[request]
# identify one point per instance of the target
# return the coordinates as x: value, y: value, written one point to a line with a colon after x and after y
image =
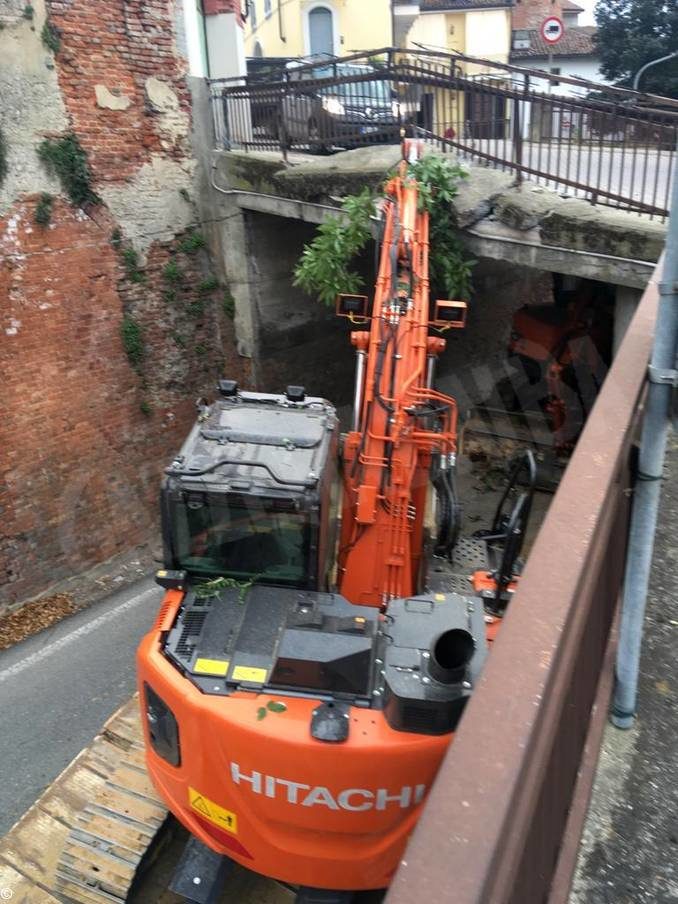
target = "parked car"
x: 357, y: 108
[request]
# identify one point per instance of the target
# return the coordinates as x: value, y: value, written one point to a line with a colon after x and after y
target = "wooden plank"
x: 135, y: 781
x: 23, y: 891
x: 34, y: 845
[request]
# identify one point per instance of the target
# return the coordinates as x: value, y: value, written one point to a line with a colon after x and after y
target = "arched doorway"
x: 321, y: 31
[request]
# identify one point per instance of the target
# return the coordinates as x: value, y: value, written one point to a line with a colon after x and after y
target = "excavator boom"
x: 403, y: 421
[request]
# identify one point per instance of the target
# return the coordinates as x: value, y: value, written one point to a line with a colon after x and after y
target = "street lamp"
x: 643, y: 69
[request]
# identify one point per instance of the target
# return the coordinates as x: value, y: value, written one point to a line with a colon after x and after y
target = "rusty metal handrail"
x: 607, y: 147
x: 493, y: 823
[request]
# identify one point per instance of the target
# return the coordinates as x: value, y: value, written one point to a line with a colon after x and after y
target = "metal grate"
x: 192, y: 629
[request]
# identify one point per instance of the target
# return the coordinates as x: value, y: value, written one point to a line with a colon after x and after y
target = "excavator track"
x: 85, y: 837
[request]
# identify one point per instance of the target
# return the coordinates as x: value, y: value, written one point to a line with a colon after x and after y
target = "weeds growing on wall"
x: 51, y: 37
x: 66, y: 159
x: 43, y: 209
x: 228, y: 304
x: 130, y: 260
x: 193, y: 242
x: 132, y: 340
x: 171, y: 273
x: 324, y: 268
x: 3, y: 157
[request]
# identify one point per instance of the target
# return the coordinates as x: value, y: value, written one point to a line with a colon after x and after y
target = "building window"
x: 267, y: 8
x: 258, y: 50
x: 555, y: 70
x: 253, y: 13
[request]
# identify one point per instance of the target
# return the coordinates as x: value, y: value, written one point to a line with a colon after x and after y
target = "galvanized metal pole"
x: 662, y: 379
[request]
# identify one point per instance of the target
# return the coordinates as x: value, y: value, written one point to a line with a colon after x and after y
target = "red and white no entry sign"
x: 552, y: 29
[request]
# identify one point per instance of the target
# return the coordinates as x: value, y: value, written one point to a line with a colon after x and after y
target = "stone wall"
x: 89, y: 420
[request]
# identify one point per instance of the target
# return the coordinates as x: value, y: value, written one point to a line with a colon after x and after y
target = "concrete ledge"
x: 528, y: 225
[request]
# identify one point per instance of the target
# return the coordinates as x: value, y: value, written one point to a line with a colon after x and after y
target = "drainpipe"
x: 662, y: 376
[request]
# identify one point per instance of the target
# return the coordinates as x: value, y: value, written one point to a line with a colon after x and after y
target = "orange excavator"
x: 323, y: 625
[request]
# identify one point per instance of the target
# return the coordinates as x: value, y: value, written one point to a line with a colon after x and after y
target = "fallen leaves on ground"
x: 34, y: 617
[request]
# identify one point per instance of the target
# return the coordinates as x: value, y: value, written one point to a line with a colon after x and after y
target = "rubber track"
x: 84, y: 838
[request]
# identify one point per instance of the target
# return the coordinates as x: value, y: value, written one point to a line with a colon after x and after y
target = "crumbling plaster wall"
x: 86, y: 428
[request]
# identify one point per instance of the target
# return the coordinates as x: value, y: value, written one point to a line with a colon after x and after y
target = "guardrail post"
x: 663, y: 377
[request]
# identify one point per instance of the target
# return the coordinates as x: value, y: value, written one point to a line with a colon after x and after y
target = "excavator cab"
x: 247, y: 498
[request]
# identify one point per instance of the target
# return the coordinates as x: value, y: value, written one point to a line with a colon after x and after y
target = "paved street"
x: 58, y: 687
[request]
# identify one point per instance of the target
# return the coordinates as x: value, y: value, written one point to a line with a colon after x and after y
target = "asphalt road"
x: 58, y: 687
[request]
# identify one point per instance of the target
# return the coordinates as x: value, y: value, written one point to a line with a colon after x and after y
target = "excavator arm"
x: 403, y: 423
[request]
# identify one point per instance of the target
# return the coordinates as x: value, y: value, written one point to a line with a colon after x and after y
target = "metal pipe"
x: 649, y: 65
x: 361, y: 357
x: 430, y: 370
x: 662, y: 376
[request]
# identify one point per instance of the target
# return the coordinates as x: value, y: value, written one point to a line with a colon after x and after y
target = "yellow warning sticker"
x: 225, y: 819
x: 211, y: 667
x: 248, y: 673
x: 439, y: 597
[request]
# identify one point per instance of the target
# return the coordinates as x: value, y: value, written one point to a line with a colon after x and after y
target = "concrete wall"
x: 298, y: 340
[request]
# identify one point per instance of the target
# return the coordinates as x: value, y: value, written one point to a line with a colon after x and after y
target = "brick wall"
x: 85, y: 431
x: 531, y: 13
x: 214, y: 7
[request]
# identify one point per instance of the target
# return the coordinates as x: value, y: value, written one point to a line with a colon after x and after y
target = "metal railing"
x: 608, y: 145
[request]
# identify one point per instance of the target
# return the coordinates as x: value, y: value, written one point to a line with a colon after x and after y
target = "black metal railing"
x: 605, y: 144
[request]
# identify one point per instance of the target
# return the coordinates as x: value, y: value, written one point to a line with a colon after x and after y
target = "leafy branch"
x: 211, y: 588
x: 324, y: 268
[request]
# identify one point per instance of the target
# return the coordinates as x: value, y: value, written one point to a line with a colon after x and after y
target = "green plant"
x: 171, y: 272
x: 145, y: 408
x: 3, y: 157
x: 201, y: 350
x: 51, y: 37
x: 273, y: 706
x: 116, y: 238
x: 450, y: 270
x: 43, y: 209
x: 228, y: 304
x: 192, y: 243
x: 207, y: 285
x: 130, y: 260
x: 170, y: 296
x: 28, y: 12
x: 216, y: 585
x: 67, y: 160
x: 179, y: 340
x: 323, y: 268
x: 196, y: 308
x: 132, y: 340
